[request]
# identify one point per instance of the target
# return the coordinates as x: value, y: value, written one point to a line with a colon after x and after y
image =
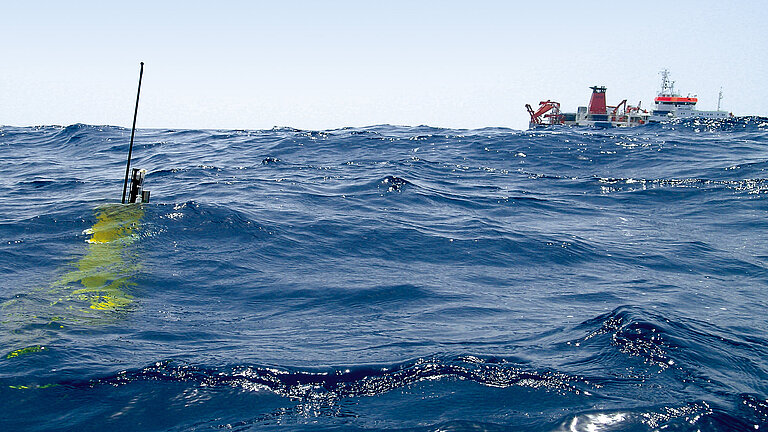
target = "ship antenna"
x: 133, y: 131
x: 664, y: 80
x: 719, y: 98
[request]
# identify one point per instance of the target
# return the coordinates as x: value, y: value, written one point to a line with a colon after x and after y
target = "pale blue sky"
x: 321, y: 65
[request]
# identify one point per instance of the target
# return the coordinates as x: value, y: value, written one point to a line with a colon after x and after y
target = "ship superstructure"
x: 669, y: 104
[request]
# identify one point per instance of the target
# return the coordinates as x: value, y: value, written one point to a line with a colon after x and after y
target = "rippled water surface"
x: 386, y: 278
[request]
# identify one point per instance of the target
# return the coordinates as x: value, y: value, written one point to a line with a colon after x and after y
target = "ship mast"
x: 719, y: 98
x: 667, y: 86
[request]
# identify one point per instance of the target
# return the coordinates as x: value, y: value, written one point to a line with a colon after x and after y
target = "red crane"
x: 616, y: 108
x: 621, y: 117
x: 538, y: 116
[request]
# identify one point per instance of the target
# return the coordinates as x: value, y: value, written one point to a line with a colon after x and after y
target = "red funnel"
x: 597, y: 102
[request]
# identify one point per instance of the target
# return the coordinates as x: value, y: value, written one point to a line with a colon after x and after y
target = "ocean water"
x: 386, y: 278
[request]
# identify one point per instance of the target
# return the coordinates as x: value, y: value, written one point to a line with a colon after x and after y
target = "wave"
x: 595, y: 369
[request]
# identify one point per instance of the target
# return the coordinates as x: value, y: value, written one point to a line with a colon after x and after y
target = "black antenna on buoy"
x: 137, y: 179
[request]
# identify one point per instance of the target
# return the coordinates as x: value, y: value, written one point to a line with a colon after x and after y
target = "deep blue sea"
x: 386, y: 278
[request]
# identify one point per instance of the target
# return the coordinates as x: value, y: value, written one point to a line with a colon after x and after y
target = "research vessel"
x: 597, y: 114
x: 670, y: 105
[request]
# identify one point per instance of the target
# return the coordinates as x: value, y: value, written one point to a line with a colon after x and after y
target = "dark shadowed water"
x: 386, y: 278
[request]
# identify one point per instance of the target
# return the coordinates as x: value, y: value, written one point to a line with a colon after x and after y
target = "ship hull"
x: 658, y: 116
